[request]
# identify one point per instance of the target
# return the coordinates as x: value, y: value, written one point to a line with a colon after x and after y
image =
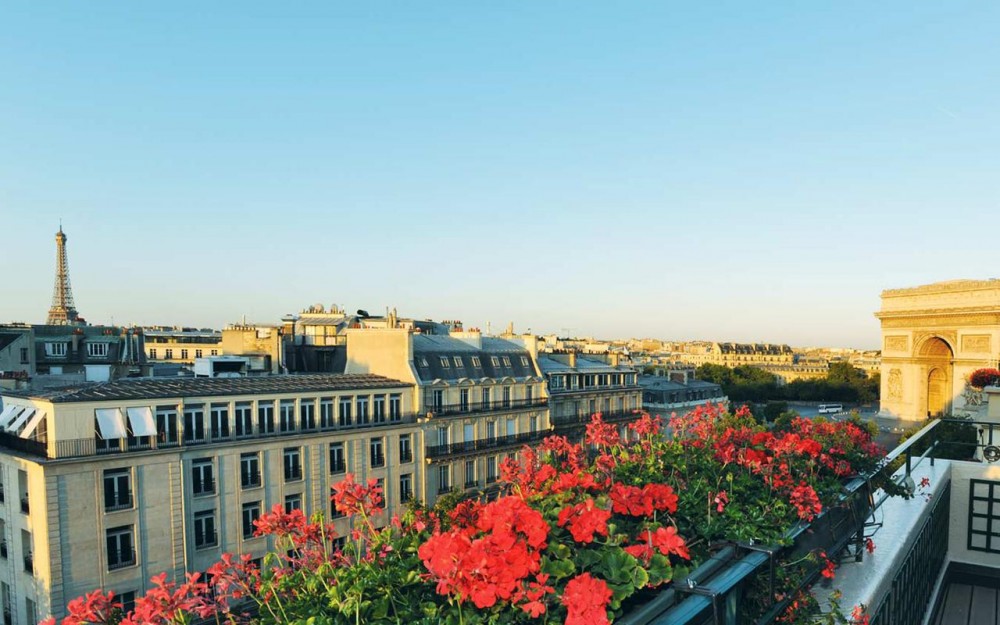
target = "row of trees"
x: 843, y: 383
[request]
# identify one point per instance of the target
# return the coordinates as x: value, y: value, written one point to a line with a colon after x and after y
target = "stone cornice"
x: 950, y: 286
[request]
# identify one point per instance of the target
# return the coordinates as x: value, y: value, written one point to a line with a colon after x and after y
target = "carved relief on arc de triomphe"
x: 976, y: 343
x: 896, y: 344
x: 895, y: 384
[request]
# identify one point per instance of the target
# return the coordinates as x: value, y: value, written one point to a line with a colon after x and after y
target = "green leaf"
x: 558, y: 569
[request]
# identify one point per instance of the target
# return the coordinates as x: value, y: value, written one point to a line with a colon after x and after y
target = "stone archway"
x: 936, y: 358
x: 933, y: 337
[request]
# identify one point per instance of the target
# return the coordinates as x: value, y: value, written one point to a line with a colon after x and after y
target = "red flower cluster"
x: 806, y: 501
x: 351, y: 498
x: 984, y: 377
x: 666, y: 540
x: 601, y: 434
x: 721, y: 500
x: 829, y: 567
x: 585, y: 519
x: 95, y: 607
x: 635, y: 501
x: 492, y: 559
x: 586, y: 599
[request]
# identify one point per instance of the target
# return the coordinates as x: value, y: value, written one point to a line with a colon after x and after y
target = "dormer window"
x: 495, y: 361
x: 55, y: 349
x: 506, y: 361
x: 524, y: 361
x: 475, y: 361
x: 458, y: 361
x: 445, y: 363
x: 423, y: 362
x: 97, y: 350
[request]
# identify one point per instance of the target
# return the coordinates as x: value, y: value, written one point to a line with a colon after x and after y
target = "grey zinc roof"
x: 431, y: 348
x: 583, y: 365
x: 153, y: 388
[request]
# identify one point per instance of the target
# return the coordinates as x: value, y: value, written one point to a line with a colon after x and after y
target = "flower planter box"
x: 714, y: 591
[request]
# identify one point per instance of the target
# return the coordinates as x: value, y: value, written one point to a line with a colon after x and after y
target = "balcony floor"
x: 966, y: 604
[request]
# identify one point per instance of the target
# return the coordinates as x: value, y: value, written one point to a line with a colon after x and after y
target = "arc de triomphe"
x: 933, y: 337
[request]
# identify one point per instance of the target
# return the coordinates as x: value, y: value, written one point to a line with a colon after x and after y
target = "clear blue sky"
x: 736, y: 171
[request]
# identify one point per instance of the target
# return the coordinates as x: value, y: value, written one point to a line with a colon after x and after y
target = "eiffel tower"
x: 63, y: 311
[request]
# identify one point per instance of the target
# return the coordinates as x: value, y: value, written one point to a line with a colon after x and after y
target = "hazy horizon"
x: 752, y: 173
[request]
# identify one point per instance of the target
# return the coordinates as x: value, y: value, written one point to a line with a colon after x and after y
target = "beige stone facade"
x: 82, y: 510
x: 933, y: 337
x: 480, y: 398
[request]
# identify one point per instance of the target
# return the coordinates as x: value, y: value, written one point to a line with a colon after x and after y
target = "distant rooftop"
x: 154, y: 388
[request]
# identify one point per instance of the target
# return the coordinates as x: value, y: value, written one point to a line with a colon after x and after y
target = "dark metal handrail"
x: 82, y: 447
x: 485, y: 444
x: 122, y: 559
x: 478, y: 407
x: 122, y: 501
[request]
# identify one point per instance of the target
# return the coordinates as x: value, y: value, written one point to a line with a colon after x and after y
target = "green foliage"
x: 844, y: 383
x: 775, y: 409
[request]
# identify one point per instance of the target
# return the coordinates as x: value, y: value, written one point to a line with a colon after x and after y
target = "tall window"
x: 286, y: 416
x: 250, y: 470
x: 528, y: 392
x: 168, y: 354
x: 491, y: 469
x: 251, y: 512
x: 511, y: 425
x: 293, y: 464
x: 307, y: 414
x: 362, y: 402
x: 377, y: 452
x: 506, y: 397
x: 117, y: 491
x: 470, y: 473
x: 194, y: 423
x: 378, y: 409
x: 534, y: 424
x: 338, y: 463
x: 265, y: 417
x: 344, y: 410
x: 204, y: 529
x: 244, y: 418
x: 197, y: 353
x: 220, y: 421
x: 405, y: 448
x: 166, y: 426
x: 405, y: 487
x: 293, y: 502
x: 463, y: 400
x: 437, y: 397
x: 202, y: 476
x: 121, y: 547
x: 491, y: 430
x: 442, y: 436
x: 184, y: 354
x: 326, y: 413
x: 152, y: 354
x: 444, y: 478
x: 395, y: 407
x: 486, y: 398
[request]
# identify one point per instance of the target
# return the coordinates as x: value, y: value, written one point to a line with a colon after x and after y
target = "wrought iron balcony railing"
x: 474, y: 407
x: 486, y: 444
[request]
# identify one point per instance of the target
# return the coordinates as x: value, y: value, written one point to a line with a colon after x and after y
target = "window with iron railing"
x: 204, y: 530
x: 293, y: 464
x: 202, y: 477
x: 250, y: 470
x: 117, y: 491
x: 338, y: 462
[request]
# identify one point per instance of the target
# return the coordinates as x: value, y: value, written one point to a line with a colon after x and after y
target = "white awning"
x: 29, y: 428
x: 8, y: 415
x: 19, y: 421
x: 141, y: 420
x: 110, y: 423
